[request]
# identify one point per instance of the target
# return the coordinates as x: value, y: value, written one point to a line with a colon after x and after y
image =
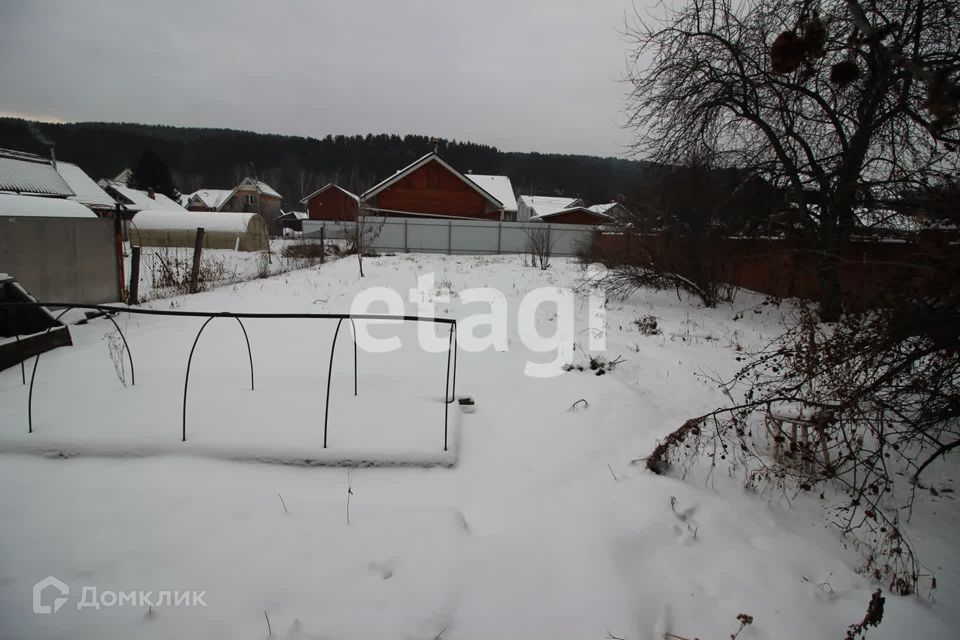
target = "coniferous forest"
x: 296, y: 166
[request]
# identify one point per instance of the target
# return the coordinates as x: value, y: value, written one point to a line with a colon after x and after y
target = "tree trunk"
x: 831, y: 294
x: 834, y: 237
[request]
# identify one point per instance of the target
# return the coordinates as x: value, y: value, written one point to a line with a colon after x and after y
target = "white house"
x: 538, y: 206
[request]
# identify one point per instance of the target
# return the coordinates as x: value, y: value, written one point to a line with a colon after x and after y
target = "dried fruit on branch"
x: 786, y: 53
x: 843, y: 73
x: 941, y: 103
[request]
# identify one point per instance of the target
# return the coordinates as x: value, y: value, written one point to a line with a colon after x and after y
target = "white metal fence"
x: 452, y: 236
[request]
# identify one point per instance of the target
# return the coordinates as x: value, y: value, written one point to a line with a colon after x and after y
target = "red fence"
x: 870, y: 268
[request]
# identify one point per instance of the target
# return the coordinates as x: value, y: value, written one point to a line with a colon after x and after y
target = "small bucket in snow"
x: 467, y: 404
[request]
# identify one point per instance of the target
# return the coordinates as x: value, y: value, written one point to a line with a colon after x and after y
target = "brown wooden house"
x: 253, y: 196
x: 332, y: 203
x: 430, y: 187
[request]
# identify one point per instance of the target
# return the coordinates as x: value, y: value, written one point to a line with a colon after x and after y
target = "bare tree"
x: 366, y: 230
x: 840, y: 104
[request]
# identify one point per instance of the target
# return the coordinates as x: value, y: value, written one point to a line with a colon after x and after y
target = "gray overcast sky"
x: 521, y: 75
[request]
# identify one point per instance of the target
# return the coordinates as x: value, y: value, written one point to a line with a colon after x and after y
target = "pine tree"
x: 152, y: 172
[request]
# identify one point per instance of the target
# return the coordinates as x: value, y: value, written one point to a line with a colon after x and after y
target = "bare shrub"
x: 868, y: 404
x: 304, y: 250
x: 115, y: 347
x: 540, y: 244
x: 648, y: 325
x: 645, y: 270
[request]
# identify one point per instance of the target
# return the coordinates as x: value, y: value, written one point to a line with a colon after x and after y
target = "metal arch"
x: 33, y: 375
x: 224, y: 314
x: 333, y: 350
x: 451, y: 394
x: 249, y: 352
x: 186, y: 379
x: 353, y: 329
x: 448, y: 395
x: 23, y: 370
x: 450, y: 384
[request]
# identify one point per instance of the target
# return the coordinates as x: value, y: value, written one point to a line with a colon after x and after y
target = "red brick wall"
x: 432, y: 189
x: 869, y: 269
x: 332, y: 204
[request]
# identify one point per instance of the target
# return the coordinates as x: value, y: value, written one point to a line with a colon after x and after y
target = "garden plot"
x: 85, y: 402
x: 548, y: 526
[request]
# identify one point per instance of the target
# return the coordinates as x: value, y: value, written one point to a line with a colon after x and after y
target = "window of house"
x: 249, y: 199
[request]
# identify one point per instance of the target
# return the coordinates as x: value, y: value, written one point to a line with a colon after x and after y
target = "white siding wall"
x: 438, y: 235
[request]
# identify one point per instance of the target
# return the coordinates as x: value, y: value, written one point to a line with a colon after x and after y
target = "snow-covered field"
x: 547, y: 526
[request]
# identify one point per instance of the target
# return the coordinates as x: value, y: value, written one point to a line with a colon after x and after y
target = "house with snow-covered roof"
x: 27, y: 174
x: 529, y: 207
x: 85, y: 189
x: 133, y: 200
x: 614, y: 210
x: 430, y: 187
x: 206, y: 199
x: 501, y: 188
x: 253, y: 196
x: 574, y: 215
x: 332, y: 202
x: 34, y: 185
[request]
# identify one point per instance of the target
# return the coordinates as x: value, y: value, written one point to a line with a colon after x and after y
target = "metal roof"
x: 27, y: 174
x: 499, y: 187
x: 410, y: 168
x: 328, y: 186
x: 87, y: 191
x: 20, y: 206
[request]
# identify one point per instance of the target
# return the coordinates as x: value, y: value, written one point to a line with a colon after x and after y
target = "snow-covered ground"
x: 546, y: 527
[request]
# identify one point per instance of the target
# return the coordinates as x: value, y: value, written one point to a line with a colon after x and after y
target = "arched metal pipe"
x: 186, y: 379
x: 33, y: 375
x: 23, y: 369
x: 333, y: 349
x: 36, y: 361
x: 353, y: 329
x: 249, y: 352
x: 448, y: 395
x: 450, y: 384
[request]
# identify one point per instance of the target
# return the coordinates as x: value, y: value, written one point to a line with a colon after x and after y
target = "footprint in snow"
x: 383, y: 569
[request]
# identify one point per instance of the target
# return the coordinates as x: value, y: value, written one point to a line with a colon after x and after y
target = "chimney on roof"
x: 44, y: 140
x: 151, y: 194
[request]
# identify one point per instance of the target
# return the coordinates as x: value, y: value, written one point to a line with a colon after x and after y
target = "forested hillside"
x: 295, y: 166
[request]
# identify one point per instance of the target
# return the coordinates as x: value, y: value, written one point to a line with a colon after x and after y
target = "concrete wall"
x: 62, y: 259
x: 438, y: 235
